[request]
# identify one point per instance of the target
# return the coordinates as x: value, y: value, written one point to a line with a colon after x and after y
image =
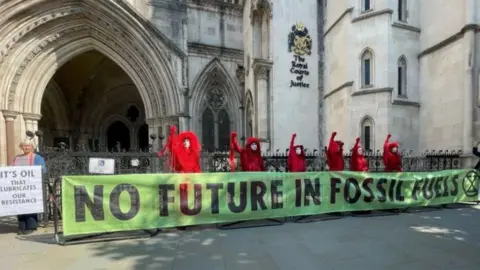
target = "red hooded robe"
x: 335, y: 154
x: 296, y: 162
x: 184, y: 160
x: 391, y: 160
x: 358, y: 162
x: 250, y: 161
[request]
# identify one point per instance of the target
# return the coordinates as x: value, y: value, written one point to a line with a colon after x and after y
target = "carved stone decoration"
x: 261, y: 6
x: 216, y: 99
x: 240, y: 72
x: 88, y: 20
x: 261, y: 72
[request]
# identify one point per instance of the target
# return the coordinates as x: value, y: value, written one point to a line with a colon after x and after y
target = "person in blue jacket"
x: 29, y: 222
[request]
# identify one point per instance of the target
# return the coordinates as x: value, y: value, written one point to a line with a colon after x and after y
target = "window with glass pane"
x: 223, y: 130
x: 366, y: 5
x: 366, y: 72
x: 402, y: 10
x: 367, y: 135
x: 208, y: 130
x: 216, y: 121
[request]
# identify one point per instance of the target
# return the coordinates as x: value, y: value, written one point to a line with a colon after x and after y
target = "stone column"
x: 469, y: 39
x: 155, y: 127
x: 9, y: 117
x: 241, y: 79
x: 265, y: 37
x: 262, y: 105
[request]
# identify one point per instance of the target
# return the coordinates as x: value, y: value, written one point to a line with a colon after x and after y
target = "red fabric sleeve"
x: 354, y: 158
x: 262, y: 164
x: 170, y: 145
x: 291, y: 153
x: 386, y: 151
x: 333, y: 146
x: 234, y: 147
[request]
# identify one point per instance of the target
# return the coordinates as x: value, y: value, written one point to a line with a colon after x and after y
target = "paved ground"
x: 447, y: 239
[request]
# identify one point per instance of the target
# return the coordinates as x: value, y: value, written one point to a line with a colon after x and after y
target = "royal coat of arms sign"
x: 299, y: 41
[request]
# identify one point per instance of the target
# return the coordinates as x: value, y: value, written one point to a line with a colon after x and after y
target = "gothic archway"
x: 118, y: 137
x: 215, y: 106
x: 43, y: 35
x: 81, y: 100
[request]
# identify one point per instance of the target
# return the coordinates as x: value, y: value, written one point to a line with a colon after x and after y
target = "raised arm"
x: 292, y: 142
x: 170, y: 140
x: 233, y: 147
x: 386, y: 152
x: 333, y: 146
x: 355, y: 147
x: 387, y: 141
x: 234, y: 144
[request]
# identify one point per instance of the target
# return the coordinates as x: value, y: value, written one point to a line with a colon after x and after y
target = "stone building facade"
x: 404, y: 67
x: 92, y: 74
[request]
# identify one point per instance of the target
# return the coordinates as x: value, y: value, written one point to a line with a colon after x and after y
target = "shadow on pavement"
x: 8, y: 225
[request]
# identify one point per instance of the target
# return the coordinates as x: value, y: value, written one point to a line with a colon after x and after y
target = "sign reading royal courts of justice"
x: 300, y: 44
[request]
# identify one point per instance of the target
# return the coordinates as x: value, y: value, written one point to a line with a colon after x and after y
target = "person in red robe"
x: 335, y: 160
x: 296, y: 157
x: 391, y: 158
x: 250, y: 157
x: 358, y: 162
x: 185, y: 150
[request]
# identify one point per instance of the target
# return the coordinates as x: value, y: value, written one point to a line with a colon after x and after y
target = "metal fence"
x: 62, y: 162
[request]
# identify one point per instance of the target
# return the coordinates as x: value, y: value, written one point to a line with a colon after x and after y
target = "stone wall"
x: 215, y: 53
x: 446, y: 80
x: 294, y: 109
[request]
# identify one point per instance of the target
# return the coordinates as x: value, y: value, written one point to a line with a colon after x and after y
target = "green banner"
x: 94, y: 204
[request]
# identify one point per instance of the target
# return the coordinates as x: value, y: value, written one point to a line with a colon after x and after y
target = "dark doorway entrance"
x: 118, y: 136
x: 143, y: 137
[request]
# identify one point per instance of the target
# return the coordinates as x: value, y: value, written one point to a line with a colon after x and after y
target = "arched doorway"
x: 45, y: 35
x: 118, y: 137
x: 88, y: 102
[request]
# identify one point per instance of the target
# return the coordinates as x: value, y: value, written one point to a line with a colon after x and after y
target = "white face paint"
x: 186, y: 143
x: 394, y: 150
x: 254, y: 146
x: 298, y: 150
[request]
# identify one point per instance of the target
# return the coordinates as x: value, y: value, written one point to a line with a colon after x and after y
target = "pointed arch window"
x: 402, y: 77
x: 367, y: 129
x: 402, y: 10
x: 215, y: 121
x: 366, y: 5
x: 367, y: 68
